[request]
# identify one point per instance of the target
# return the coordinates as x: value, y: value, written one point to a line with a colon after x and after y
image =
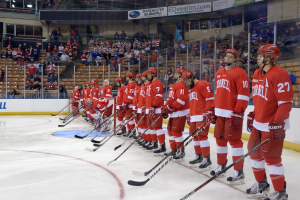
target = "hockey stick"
x: 70, y: 115
x: 112, y: 134
x: 61, y: 110
x: 141, y: 183
x: 225, y: 169
x: 134, y: 141
x: 132, y: 131
x: 63, y: 125
x: 96, y: 141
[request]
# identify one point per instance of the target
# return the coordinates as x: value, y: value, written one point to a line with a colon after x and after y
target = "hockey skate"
x: 127, y: 134
x: 161, y: 150
x: 237, y: 178
x: 258, y: 190
x: 121, y: 132
x: 196, y: 162
x: 205, y: 164
x: 152, y: 147
x: 282, y: 195
x: 132, y: 135
x: 179, y: 157
x: 218, y: 169
x: 146, y: 145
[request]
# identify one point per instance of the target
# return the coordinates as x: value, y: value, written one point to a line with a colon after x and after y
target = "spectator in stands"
x: 50, y: 78
x: 123, y: 36
x: 56, y: 59
x: 292, y: 76
x: 37, y: 66
x: 180, y: 65
x: 29, y: 84
x: 49, y: 58
x: 89, y: 59
x: 113, y: 64
x: 32, y: 71
x: 64, y: 58
x: 36, y: 78
x: 140, y: 58
x: 26, y: 55
x: 51, y: 69
x: 182, y: 46
x: 279, y: 42
x: 2, y: 74
x: 107, y: 60
x: 153, y: 59
x: 3, y: 56
x: 160, y: 60
x: 63, y: 94
x: 51, y: 86
x: 120, y: 60
x: 14, y: 53
x: 116, y: 36
x: 24, y: 48
x: 98, y: 60
x: 35, y: 55
x: 19, y: 61
x: 132, y: 57
x: 38, y: 48
x: 36, y: 86
x: 83, y: 58
x: 42, y: 66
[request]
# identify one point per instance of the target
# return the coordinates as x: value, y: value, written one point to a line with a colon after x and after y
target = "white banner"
x: 148, y: 13
x: 189, y: 9
x: 223, y: 4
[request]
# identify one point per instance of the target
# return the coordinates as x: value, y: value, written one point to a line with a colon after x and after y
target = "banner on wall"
x: 148, y: 13
x: 189, y: 9
x: 223, y: 4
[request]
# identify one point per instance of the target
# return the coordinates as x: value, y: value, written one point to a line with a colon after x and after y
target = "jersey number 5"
x: 281, y: 85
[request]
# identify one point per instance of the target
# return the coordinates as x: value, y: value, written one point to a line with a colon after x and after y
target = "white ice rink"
x: 36, y: 165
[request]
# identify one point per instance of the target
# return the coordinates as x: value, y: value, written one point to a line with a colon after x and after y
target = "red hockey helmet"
x: 233, y: 51
x: 92, y: 83
x: 130, y: 74
x: 144, y: 74
x: 138, y: 76
x: 152, y: 70
x: 95, y: 80
x: 119, y: 79
x: 270, y: 50
x: 186, y: 75
x: 180, y: 70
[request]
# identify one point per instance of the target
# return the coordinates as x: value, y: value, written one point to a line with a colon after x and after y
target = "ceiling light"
x: 13, y: 5
x: 29, y: 6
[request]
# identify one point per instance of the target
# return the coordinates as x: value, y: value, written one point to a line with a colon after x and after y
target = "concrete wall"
x: 283, y: 10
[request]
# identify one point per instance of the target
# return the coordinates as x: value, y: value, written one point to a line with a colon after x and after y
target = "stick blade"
x: 137, y: 183
x: 95, y: 141
x: 79, y: 137
x: 110, y: 162
x: 137, y: 173
x: 89, y: 149
x: 61, y: 125
x: 117, y: 147
x: 97, y: 145
x: 53, y: 115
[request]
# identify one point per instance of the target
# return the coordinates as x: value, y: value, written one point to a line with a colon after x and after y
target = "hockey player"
x: 154, y: 103
x: 94, y: 96
x: 98, y: 106
x: 135, y: 102
x: 119, y: 106
x: 177, y: 106
x: 82, y: 102
x: 231, y: 101
x: 106, y: 93
x: 146, y: 138
x: 272, y: 99
x: 86, y: 96
x: 201, y: 99
x: 95, y: 80
x: 75, y: 100
x: 127, y: 104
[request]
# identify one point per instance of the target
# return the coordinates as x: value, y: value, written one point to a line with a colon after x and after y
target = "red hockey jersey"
x: 94, y: 94
x: 129, y: 93
x: 272, y: 97
x: 201, y: 99
x: 106, y: 92
x: 120, y: 99
x: 142, y: 98
x: 100, y: 104
x: 135, y: 97
x: 154, y: 96
x: 232, y: 91
x: 87, y: 93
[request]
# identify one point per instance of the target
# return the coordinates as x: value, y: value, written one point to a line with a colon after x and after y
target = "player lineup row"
x: 141, y: 108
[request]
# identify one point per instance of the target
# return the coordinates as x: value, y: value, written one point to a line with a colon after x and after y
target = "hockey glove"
x: 125, y: 106
x: 210, y: 116
x: 165, y: 116
x: 250, y: 119
x: 237, y: 119
x: 277, y: 131
x: 152, y: 112
x: 188, y: 119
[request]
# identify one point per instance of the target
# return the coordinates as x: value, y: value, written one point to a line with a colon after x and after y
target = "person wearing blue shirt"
x: 50, y: 78
x: 292, y: 76
x: 36, y: 78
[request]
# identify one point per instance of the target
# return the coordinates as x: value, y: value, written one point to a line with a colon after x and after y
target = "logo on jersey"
x: 134, y: 14
x: 193, y: 95
x: 223, y: 83
x: 260, y: 90
x: 3, y: 105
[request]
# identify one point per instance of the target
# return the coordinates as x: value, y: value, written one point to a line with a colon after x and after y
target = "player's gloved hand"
x: 165, y: 116
x: 188, y: 119
x: 72, y: 100
x: 125, y: 106
x: 168, y: 109
x: 250, y: 119
x: 210, y: 116
x: 277, y: 131
x: 152, y: 112
x: 237, y: 119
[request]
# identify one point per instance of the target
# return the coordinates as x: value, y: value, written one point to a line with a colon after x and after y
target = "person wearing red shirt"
x: 51, y: 68
x: 201, y: 99
x: 106, y: 93
x: 177, y: 106
x: 86, y: 95
x: 32, y: 71
x: 127, y: 105
x: 135, y: 103
x: 272, y: 98
x: 119, y: 106
x: 69, y: 44
x: 55, y: 50
x: 94, y: 94
x: 83, y: 58
x: 153, y: 59
x: 51, y: 86
x: 154, y: 103
x: 75, y: 45
x: 75, y: 100
x: 20, y: 61
x: 231, y: 101
x: 49, y: 47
